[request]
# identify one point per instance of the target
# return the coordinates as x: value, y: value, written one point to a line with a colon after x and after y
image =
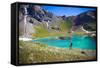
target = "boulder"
x: 62, y: 38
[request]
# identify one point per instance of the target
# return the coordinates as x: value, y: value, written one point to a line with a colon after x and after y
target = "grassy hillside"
x: 42, y: 31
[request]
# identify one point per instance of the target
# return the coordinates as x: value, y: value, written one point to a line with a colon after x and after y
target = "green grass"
x: 65, y: 25
x: 42, y: 31
x: 30, y: 52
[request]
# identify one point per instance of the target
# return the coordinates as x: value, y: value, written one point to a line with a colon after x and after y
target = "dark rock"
x: 62, y: 38
x: 83, y: 52
x: 64, y: 17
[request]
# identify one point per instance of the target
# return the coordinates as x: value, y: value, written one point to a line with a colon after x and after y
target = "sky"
x: 67, y: 11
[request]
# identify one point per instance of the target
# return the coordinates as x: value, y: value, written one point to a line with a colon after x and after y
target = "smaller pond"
x: 82, y: 42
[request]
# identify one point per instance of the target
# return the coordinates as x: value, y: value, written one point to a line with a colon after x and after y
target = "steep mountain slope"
x: 87, y: 20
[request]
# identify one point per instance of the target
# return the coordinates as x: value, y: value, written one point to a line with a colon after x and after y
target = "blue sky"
x: 68, y: 11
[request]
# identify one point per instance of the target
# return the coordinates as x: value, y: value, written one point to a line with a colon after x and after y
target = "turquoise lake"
x: 81, y: 42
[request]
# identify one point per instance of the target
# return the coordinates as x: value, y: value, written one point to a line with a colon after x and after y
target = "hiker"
x: 70, y: 47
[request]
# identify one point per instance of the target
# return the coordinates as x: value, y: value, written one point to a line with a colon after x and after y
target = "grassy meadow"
x: 30, y: 52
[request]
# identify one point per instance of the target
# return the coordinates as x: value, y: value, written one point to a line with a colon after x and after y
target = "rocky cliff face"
x: 42, y: 15
x: 36, y: 15
x: 25, y: 26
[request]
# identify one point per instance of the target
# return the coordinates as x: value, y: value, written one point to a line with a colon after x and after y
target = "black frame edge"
x: 14, y: 48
